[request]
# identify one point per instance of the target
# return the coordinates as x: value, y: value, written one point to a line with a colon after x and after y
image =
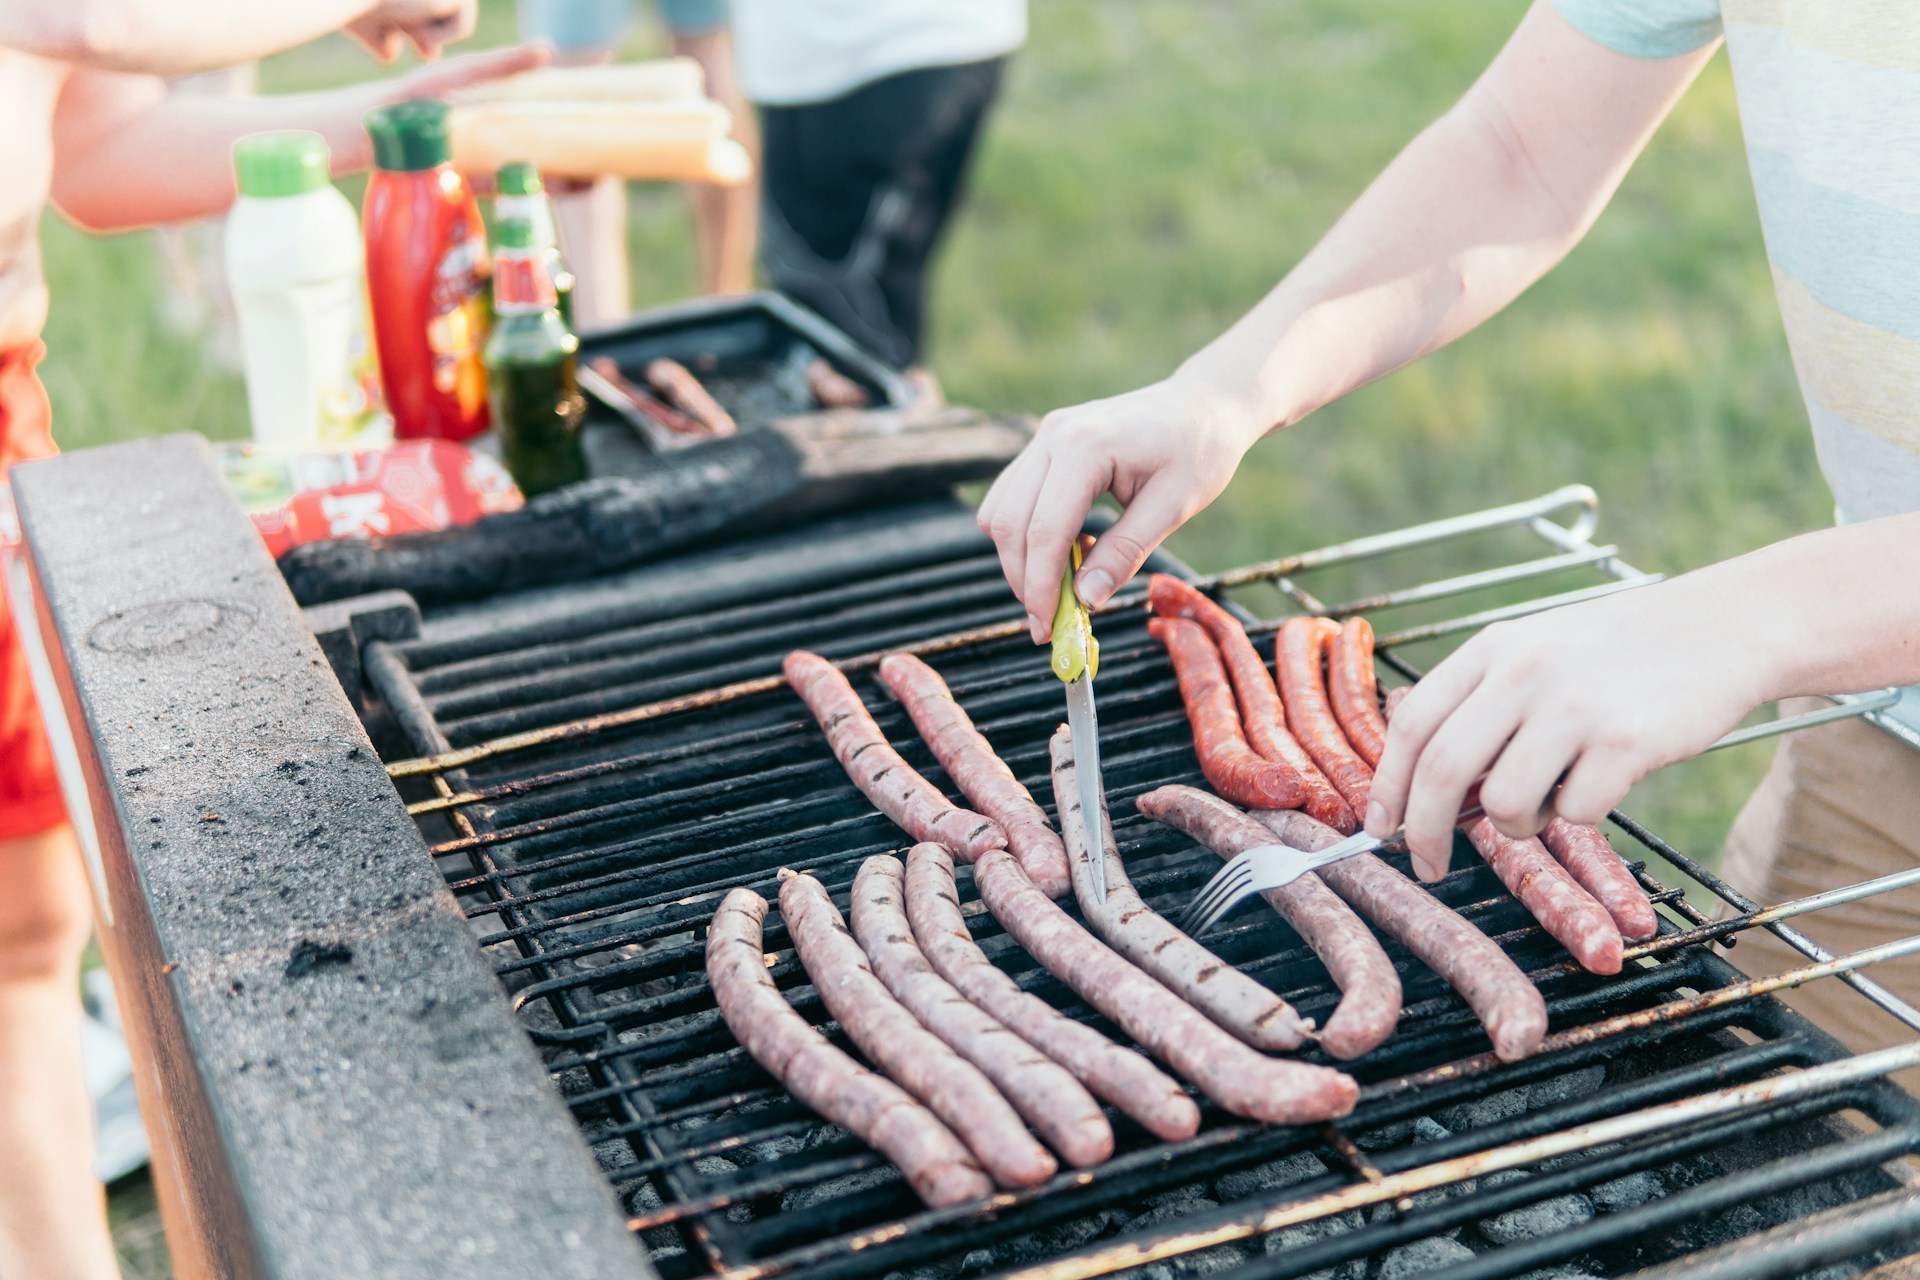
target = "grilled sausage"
x: 1554, y: 897
x: 1044, y: 1093
x: 982, y: 776
x: 1356, y: 699
x: 834, y: 389
x: 953, y: 1088
x: 1240, y: 1079
x: 1233, y: 768
x: 1369, y: 988
x: 1261, y: 716
x: 1589, y: 858
x: 645, y: 402
x: 915, y: 804
x: 677, y: 383
x: 1117, y: 1074
x: 1545, y: 888
x: 1508, y: 1004
x: 1299, y: 649
x: 1144, y: 936
x: 869, y: 1106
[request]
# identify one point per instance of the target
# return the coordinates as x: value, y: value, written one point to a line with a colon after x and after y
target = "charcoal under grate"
x: 590, y: 860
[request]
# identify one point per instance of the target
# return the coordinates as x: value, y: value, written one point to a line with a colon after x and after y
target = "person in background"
x: 593, y: 216
x: 870, y: 112
x: 93, y: 131
x: 1474, y: 210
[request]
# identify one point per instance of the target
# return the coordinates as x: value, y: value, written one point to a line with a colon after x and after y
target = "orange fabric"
x: 29, y: 793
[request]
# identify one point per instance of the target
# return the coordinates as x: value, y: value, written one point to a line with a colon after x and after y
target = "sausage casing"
x: 1299, y: 652
x: 1354, y: 690
x: 1232, y: 767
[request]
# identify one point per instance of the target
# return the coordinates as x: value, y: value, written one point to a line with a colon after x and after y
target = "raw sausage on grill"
x: 869, y: 1106
x: 1589, y: 858
x: 953, y: 1088
x: 1115, y: 1073
x: 1244, y: 1081
x: 1354, y: 690
x: 982, y: 776
x: 1369, y: 988
x: 1261, y: 716
x: 877, y: 769
x: 1299, y: 649
x: 685, y: 392
x: 1508, y: 1004
x: 1040, y: 1089
x: 1144, y: 936
x: 1233, y: 768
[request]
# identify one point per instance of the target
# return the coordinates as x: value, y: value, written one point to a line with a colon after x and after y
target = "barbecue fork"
x: 1274, y: 866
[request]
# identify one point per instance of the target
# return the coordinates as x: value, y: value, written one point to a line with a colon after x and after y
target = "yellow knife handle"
x: 1074, y: 649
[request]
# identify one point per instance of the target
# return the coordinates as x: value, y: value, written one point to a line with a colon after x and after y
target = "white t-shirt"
x: 794, y: 52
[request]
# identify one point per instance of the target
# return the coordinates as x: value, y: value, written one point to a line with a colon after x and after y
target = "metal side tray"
x: 336, y: 1086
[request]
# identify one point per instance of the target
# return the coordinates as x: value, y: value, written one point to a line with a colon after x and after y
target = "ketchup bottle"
x: 427, y: 276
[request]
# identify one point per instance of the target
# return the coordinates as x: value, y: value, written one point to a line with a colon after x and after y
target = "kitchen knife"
x: 1076, y: 659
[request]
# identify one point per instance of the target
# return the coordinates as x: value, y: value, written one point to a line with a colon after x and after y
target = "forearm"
x: 173, y: 161
x: 1833, y: 611
x: 1452, y: 231
x: 168, y: 37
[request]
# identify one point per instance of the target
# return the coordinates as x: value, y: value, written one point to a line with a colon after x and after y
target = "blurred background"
x: 1152, y: 168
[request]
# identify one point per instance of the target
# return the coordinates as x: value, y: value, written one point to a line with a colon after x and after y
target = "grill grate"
x: 590, y: 858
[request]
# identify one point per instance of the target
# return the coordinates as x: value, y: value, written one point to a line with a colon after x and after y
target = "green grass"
x: 1154, y: 166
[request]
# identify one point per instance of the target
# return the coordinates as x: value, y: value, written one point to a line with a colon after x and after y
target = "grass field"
x: 1154, y: 167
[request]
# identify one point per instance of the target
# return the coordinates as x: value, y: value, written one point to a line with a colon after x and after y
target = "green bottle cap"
x: 283, y: 162
x: 519, y: 179
x: 409, y: 136
x: 514, y: 233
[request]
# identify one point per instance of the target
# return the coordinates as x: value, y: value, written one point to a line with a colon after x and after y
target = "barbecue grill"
x: 586, y: 768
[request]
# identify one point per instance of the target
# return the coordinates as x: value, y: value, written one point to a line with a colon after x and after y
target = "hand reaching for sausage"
x: 1165, y: 451
x: 1600, y: 694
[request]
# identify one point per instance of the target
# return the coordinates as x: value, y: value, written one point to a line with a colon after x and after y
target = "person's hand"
x: 1600, y: 694
x: 428, y: 24
x: 444, y: 77
x: 1165, y: 451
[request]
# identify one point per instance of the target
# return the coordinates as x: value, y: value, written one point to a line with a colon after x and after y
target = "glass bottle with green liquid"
x: 532, y: 361
x: 522, y: 195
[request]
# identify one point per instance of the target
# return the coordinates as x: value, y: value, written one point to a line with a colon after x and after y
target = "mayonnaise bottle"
x: 294, y: 264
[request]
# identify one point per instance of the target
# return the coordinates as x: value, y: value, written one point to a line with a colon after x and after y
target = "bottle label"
x: 456, y: 319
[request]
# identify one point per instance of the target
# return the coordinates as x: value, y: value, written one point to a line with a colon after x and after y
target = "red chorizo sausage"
x: 869, y: 1106
x: 1299, y: 650
x: 1233, y: 768
x: 1589, y: 858
x: 1369, y: 988
x: 1261, y: 715
x: 953, y: 1088
x: 1350, y: 681
x: 877, y: 769
x: 1117, y: 1074
x: 1044, y: 1093
x: 1232, y: 999
x: 982, y: 776
x: 1495, y: 988
x: 1240, y: 1079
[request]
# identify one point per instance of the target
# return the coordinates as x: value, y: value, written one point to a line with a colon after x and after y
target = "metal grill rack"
x: 601, y: 762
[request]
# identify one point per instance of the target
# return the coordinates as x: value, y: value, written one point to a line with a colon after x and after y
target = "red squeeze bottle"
x: 427, y: 276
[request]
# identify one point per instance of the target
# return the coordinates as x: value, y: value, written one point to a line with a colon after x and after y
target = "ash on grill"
x: 590, y: 801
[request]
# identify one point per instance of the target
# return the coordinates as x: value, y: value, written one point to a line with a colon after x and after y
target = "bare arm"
x: 1605, y: 692
x: 127, y: 154
x: 1475, y: 209
x: 176, y: 37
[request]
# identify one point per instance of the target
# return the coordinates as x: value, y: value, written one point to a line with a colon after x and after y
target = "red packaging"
x: 414, y: 486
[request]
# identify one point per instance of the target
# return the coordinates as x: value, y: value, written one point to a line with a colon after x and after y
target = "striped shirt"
x: 1830, y: 102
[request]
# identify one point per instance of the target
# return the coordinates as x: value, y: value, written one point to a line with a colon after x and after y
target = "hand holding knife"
x: 1076, y: 660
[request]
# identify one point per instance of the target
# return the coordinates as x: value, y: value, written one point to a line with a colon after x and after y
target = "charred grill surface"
x: 590, y: 868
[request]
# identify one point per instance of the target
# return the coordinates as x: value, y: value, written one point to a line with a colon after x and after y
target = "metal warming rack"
x: 597, y: 764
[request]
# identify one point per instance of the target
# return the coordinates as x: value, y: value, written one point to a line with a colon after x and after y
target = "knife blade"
x: 1076, y: 660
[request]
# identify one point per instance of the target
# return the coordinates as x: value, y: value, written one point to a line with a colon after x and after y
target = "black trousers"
x: 858, y: 191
